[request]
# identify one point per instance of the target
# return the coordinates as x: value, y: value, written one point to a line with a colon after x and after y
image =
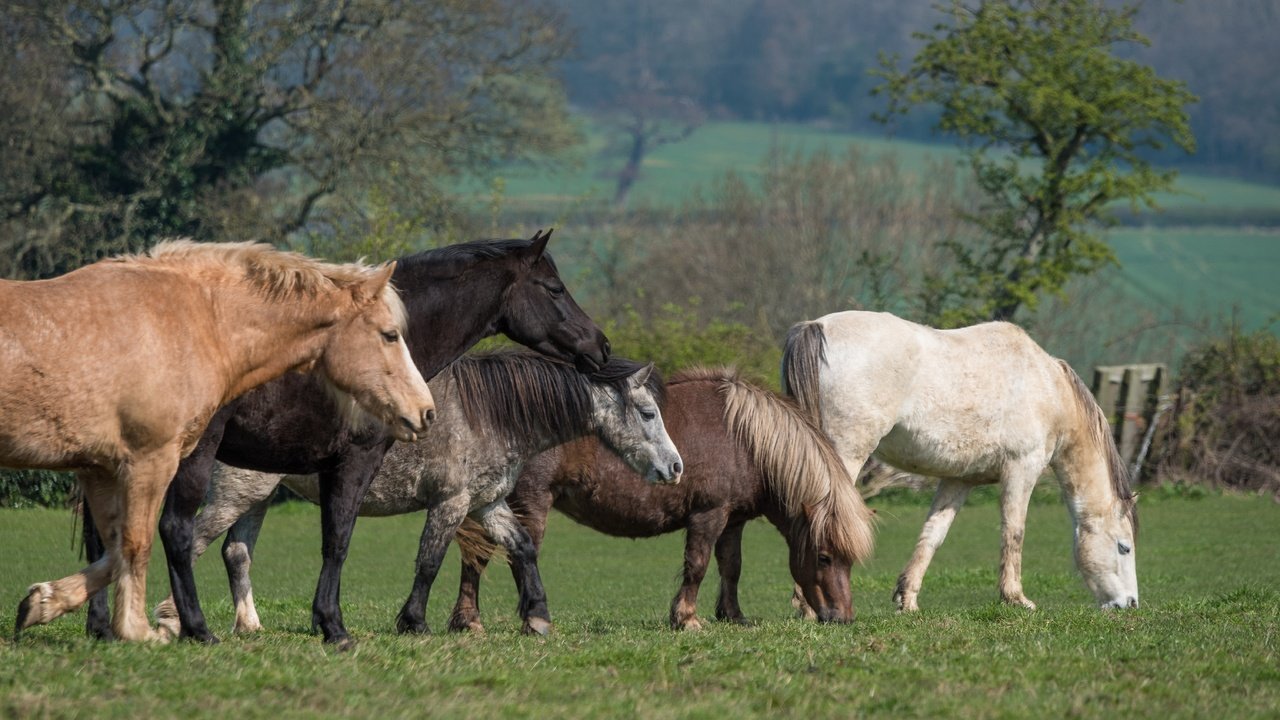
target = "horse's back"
x: 940, y: 402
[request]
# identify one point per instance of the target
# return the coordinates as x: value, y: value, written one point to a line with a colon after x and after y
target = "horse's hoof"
x: 407, y: 626
x: 691, y: 624
x: 1021, y: 601
x: 536, y: 626
x: 744, y: 622
x: 346, y: 643
x: 31, y: 611
x: 460, y: 624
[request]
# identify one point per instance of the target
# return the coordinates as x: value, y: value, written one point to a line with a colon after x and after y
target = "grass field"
x: 672, y: 171
x: 1203, y: 644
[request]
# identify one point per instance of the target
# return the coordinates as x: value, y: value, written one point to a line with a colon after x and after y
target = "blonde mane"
x: 280, y: 275
x: 799, y: 465
x: 1098, y: 432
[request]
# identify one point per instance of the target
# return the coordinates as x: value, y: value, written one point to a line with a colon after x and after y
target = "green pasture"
x: 1204, y: 643
x: 671, y: 172
x: 1206, y: 272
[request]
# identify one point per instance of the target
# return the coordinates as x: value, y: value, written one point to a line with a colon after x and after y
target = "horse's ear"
x: 537, y: 246
x: 372, y: 287
x: 642, y: 376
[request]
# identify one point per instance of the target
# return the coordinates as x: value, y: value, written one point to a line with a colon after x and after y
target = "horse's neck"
x: 1085, y: 479
x: 447, y: 315
x: 295, y: 330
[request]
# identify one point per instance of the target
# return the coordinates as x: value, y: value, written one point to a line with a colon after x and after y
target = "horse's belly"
x: 941, y: 454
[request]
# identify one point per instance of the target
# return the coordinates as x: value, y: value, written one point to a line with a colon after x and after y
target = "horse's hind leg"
x: 466, y: 611
x: 702, y: 531
x: 237, y: 557
x: 501, y: 525
x: 729, y: 563
x: 47, y: 601
x: 947, y: 500
x: 97, y: 622
x: 1015, y: 495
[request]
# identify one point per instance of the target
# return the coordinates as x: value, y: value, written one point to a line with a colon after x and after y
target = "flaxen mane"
x: 803, y: 356
x: 278, y: 274
x: 798, y: 463
x: 1100, y: 435
x: 523, y: 394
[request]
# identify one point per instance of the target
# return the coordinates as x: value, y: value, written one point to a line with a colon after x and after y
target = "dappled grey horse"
x: 495, y: 412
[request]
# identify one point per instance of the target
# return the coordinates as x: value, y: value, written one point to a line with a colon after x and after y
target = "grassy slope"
x: 1204, y: 271
x: 672, y: 171
x: 1204, y: 643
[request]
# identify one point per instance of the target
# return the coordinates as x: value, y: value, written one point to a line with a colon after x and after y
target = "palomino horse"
x: 115, y: 369
x: 496, y: 411
x: 971, y: 406
x: 455, y: 296
x: 747, y: 452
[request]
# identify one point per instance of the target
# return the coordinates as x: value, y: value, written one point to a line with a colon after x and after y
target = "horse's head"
x: 1106, y: 553
x: 366, y: 358
x: 821, y: 574
x: 628, y: 418
x: 540, y: 314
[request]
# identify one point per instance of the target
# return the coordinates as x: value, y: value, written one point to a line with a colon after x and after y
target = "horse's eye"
x: 1124, y: 549
x: 824, y: 559
x: 555, y: 290
x: 648, y: 415
x: 390, y: 335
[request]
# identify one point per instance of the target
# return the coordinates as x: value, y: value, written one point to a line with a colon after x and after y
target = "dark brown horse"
x: 747, y: 453
x: 454, y: 296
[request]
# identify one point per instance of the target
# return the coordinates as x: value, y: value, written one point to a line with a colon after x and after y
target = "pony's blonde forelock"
x: 800, y: 466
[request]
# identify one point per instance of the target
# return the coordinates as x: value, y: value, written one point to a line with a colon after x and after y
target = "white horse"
x: 971, y: 406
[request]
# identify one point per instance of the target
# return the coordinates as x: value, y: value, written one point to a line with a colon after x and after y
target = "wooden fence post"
x: 1130, y: 398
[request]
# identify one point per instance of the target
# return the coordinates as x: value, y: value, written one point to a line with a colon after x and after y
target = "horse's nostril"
x: 1133, y: 602
x: 430, y: 415
x: 676, y: 468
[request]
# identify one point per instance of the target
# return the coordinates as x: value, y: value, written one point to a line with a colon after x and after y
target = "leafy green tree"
x: 1058, y: 127
x: 126, y: 120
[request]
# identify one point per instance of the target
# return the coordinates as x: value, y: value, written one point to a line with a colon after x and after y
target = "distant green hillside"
x: 1214, y: 246
x: 673, y: 171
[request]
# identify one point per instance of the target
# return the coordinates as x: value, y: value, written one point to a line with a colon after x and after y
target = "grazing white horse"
x: 971, y: 406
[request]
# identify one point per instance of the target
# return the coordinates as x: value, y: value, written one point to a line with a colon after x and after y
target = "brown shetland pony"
x: 114, y: 370
x: 747, y: 453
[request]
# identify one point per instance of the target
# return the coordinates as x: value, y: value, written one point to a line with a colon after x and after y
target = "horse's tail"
x: 801, y: 467
x: 802, y: 357
x: 1099, y: 434
x: 473, y: 542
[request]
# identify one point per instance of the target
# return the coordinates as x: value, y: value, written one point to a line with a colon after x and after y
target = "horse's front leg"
x: 1015, y: 496
x: 234, y: 494
x: 443, y: 518
x: 342, y: 490
x: 177, y: 530
x: 701, y: 534
x: 729, y: 563
x: 947, y: 500
x: 47, y: 601
x: 503, y: 527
